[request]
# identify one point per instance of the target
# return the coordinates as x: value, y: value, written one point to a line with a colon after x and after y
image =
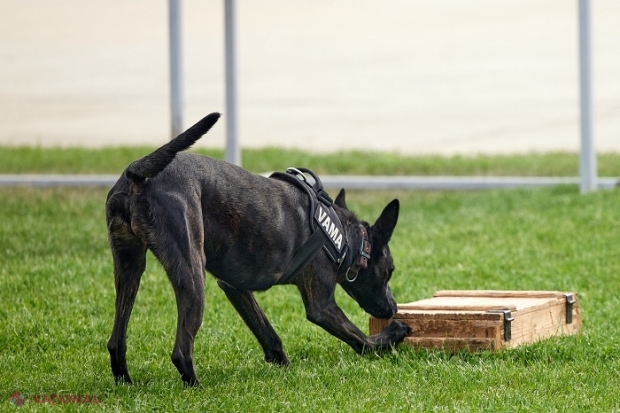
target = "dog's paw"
x: 279, y: 359
x: 393, y: 334
x: 123, y: 379
x: 192, y: 383
x: 398, y: 330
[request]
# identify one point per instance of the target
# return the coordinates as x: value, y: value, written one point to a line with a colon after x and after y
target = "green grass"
x: 57, y: 300
x: 114, y: 160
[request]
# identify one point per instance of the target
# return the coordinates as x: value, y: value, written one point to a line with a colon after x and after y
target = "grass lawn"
x: 57, y: 296
x: 114, y: 160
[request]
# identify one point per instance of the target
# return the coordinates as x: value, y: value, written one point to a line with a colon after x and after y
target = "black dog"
x: 196, y: 213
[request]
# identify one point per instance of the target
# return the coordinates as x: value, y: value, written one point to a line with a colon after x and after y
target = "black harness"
x: 331, y: 237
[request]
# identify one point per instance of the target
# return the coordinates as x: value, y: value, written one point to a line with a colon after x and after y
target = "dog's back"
x: 239, y: 218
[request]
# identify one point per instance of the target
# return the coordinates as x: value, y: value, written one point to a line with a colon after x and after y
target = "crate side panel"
x: 377, y: 325
x: 452, y: 344
x: 533, y: 326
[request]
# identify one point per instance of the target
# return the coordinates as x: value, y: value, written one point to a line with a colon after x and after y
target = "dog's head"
x: 370, y: 289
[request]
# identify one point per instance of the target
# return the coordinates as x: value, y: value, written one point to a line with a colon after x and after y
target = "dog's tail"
x: 151, y: 165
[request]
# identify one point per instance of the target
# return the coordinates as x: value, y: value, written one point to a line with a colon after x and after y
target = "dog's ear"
x: 340, y: 200
x: 384, y: 226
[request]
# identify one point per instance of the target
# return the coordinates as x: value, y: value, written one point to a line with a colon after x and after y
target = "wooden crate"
x: 481, y: 320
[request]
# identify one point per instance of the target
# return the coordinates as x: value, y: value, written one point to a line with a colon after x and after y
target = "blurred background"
x: 417, y: 77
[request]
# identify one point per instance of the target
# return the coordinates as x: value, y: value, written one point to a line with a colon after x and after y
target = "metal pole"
x: 587, y: 157
x: 176, y: 67
x: 233, y: 152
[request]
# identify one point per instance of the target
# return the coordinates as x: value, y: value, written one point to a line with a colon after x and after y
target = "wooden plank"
x: 482, y: 303
x: 453, y: 328
x: 497, y: 293
x: 476, y: 303
x: 447, y: 314
x: 452, y: 344
x: 443, y: 327
x: 466, y: 304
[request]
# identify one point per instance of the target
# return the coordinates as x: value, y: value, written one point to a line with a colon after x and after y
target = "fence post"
x: 176, y: 67
x: 587, y: 155
x: 233, y: 152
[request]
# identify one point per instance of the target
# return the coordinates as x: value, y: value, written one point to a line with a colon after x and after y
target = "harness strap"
x: 304, y: 255
x: 330, y: 234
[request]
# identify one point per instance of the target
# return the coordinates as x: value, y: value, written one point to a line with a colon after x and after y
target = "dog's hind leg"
x: 178, y: 246
x: 254, y: 317
x: 129, y: 255
x: 190, y: 295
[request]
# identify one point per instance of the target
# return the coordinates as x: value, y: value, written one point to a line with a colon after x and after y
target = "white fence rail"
x: 340, y: 181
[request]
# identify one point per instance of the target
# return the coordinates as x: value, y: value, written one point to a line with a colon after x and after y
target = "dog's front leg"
x: 254, y: 317
x: 322, y: 310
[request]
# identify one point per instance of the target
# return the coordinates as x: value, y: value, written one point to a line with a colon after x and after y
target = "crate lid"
x: 483, y: 300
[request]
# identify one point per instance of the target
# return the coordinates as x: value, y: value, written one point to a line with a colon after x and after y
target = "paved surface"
x: 425, y: 76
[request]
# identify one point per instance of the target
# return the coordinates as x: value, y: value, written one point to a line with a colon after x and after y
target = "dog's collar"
x: 361, y: 262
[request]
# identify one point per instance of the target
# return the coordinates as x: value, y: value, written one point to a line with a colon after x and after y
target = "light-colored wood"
x: 481, y: 303
x: 497, y: 293
x: 455, y: 321
x: 532, y: 326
